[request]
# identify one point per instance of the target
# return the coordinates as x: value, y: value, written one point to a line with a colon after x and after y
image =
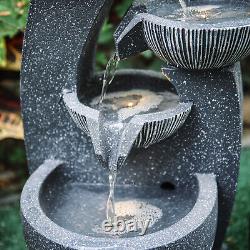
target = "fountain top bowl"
x: 186, y: 43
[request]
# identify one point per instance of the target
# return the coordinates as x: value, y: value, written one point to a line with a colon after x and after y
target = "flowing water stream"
x: 117, y: 109
x: 108, y: 77
x: 109, y: 74
x: 115, y: 125
x: 183, y: 5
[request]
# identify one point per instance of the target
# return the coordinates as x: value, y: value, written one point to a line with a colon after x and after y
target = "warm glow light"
x: 130, y: 104
x: 204, y: 12
x: 203, y: 15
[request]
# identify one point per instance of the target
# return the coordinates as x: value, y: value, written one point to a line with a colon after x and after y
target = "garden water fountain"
x: 180, y: 133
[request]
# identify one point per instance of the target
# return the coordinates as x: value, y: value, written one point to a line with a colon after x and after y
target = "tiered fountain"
x: 175, y: 139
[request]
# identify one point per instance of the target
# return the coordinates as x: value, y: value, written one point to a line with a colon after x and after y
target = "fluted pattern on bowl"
x: 142, y: 130
x: 198, y: 48
x: 154, y: 132
x: 80, y: 120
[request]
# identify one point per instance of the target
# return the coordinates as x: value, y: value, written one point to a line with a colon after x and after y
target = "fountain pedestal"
x: 201, y: 160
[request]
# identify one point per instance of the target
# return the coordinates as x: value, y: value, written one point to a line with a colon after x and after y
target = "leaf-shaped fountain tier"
x: 208, y: 34
x: 142, y: 130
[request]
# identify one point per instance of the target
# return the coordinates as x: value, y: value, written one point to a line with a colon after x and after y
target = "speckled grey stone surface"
x: 58, y: 52
x: 215, y: 129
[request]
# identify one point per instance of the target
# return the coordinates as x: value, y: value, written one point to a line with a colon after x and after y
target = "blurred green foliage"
x: 13, y: 15
x: 238, y: 235
x: 12, y: 153
x: 245, y: 65
x: 11, y: 232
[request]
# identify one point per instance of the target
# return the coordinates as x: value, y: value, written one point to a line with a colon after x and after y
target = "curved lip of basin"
x: 37, y: 219
x: 72, y: 101
x: 226, y: 25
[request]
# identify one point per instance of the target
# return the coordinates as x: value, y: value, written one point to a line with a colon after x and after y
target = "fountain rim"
x: 44, y: 226
x: 79, y: 107
x: 224, y: 25
x: 70, y: 97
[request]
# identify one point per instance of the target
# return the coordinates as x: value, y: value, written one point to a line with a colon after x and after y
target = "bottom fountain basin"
x: 58, y: 210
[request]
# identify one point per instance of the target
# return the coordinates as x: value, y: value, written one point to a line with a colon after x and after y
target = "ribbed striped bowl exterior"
x: 81, y: 114
x: 153, y: 127
x: 79, y: 119
x: 156, y: 131
x: 198, y: 48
